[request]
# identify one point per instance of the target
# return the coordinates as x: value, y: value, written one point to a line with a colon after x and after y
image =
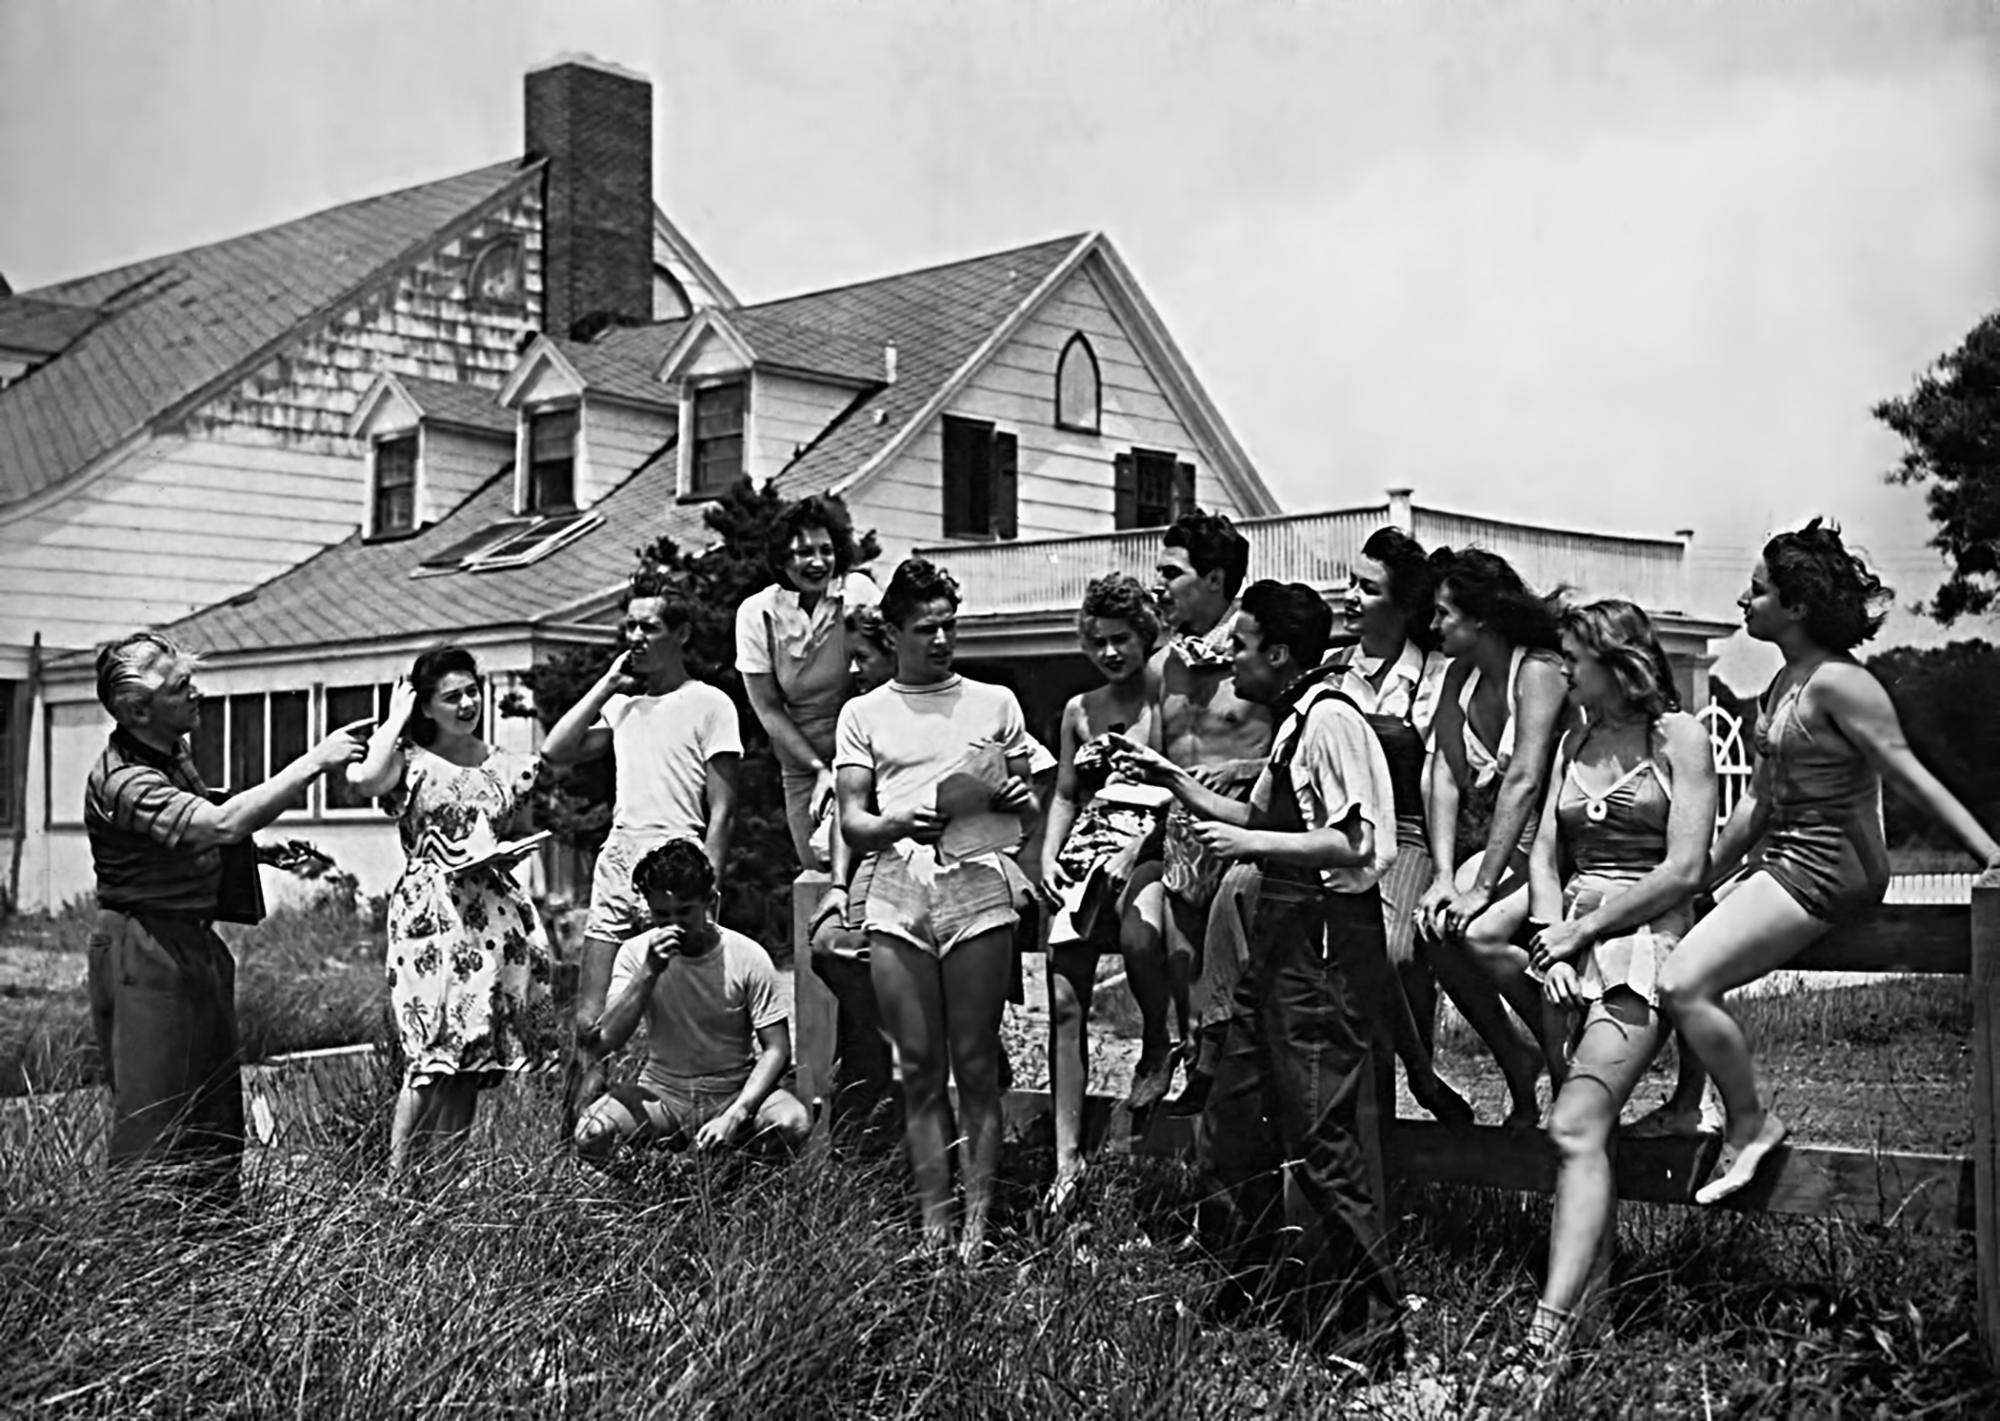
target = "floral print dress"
x: 468, y: 961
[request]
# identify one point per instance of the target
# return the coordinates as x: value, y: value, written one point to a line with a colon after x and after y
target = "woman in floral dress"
x: 468, y: 963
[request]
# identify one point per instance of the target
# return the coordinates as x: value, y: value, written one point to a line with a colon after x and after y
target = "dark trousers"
x: 163, y: 1002
x: 1290, y: 1145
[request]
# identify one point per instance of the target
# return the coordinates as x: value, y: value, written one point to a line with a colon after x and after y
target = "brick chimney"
x: 594, y: 123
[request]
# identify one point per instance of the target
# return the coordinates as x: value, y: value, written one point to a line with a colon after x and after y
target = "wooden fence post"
x: 1986, y: 1106
x: 814, y: 1011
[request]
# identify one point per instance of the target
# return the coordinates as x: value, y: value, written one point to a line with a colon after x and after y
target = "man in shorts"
x: 1207, y: 728
x: 676, y: 744
x: 718, y: 1034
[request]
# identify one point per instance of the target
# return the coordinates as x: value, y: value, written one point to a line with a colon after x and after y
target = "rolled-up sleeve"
x: 139, y: 799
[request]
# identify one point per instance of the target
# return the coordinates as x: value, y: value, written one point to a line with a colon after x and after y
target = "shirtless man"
x: 1207, y: 728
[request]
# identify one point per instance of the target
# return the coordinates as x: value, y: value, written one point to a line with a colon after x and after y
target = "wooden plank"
x: 1916, y: 1190
x: 1985, y: 950
x: 1907, y: 937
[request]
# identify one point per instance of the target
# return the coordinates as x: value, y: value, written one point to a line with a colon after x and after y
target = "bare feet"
x: 1064, y: 1194
x: 1738, y: 1165
x: 1446, y: 1105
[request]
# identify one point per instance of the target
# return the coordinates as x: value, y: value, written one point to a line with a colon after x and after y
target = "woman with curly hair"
x: 1827, y: 735
x: 792, y: 652
x: 468, y: 961
x: 1629, y: 812
x: 1494, y: 737
x: 933, y: 777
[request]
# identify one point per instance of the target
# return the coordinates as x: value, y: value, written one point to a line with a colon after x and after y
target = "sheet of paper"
x: 964, y: 795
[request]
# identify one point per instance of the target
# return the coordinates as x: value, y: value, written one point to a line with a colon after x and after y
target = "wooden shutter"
x: 1004, y: 462
x: 1183, y: 491
x: 1125, y: 484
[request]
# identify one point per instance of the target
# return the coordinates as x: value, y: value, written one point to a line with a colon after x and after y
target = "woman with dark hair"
x: 468, y: 962
x: 1630, y: 812
x: 1495, y: 733
x: 791, y: 650
x: 1393, y: 672
x: 933, y: 777
x: 1827, y: 735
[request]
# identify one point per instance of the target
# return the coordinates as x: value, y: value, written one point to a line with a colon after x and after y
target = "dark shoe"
x: 1152, y: 1079
x: 1193, y: 1098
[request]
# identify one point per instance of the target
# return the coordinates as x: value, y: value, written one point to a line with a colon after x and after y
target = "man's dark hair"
x: 1412, y: 583
x: 679, y: 868
x: 430, y: 669
x: 917, y: 580
x: 1843, y: 600
x: 1292, y: 615
x: 676, y: 605
x: 1211, y: 541
x: 820, y: 510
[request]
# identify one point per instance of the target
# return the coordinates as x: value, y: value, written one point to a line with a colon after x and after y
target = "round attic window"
x: 497, y: 277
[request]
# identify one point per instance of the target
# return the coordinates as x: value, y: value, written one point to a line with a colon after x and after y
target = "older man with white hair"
x: 162, y: 984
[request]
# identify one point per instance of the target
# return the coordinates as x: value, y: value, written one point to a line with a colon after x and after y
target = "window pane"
x: 396, y: 462
x: 288, y: 736
x: 246, y: 743
x: 718, y: 463
x: 552, y: 435
x: 1076, y: 386
x: 1155, y: 487
x: 208, y: 741
x: 552, y: 485
x: 345, y: 705
x: 968, y: 503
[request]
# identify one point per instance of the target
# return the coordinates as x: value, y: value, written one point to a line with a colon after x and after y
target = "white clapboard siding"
x: 787, y: 414
x: 1066, y: 478
x: 455, y: 463
x: 618, y: 438
x: 174, y: 528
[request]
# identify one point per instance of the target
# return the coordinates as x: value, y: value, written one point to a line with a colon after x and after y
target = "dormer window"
x: 719, y: 412
x: 1079, y: 392
x: 395, y: 500
x: 551, y: 461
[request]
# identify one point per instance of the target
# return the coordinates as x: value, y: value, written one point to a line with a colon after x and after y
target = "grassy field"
x: 523, y: 1285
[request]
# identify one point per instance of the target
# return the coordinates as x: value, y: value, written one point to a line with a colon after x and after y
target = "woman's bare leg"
x: 1072, y: 976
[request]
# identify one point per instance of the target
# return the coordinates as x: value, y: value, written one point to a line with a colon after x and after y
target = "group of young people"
x: 1293, y: 826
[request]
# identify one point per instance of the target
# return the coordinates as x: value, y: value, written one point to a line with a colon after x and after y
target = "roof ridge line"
x: 1065, y: 241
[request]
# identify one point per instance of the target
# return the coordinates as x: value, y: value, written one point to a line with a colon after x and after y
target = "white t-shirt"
x: 702, y: 1020
x: 905, y: 734
x: 1338, y: 765
x: 663, y: 745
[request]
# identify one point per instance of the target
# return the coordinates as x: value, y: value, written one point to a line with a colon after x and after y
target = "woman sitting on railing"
x: 1827, y: 735
x: 932, y: 775
x: 1493, y: 738
x: 1629, y: 810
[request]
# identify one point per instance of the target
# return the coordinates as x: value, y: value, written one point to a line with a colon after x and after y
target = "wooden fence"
x: 1958, y: 1192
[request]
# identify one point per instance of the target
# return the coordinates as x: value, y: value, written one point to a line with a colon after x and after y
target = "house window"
x: 13, y: 727
x: 1153, y: 489
x: 1079, y: 395
x: 497, y: 278
x: 344, y: 706
x: 718, y: 437
x: 244, y: 740
x: 395, y: 485
x: 551, y: 461
x: 981, y: 480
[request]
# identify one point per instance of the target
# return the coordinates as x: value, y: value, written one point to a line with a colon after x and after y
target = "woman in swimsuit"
x: 1494, y: 736
x: 1631, y: 810
x: 1827, y: 736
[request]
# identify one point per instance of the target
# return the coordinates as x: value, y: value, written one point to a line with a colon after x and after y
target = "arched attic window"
x: 1079, y: 393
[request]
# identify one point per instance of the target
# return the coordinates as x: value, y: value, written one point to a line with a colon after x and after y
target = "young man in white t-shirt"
x: 718, y: 1033
x: 677, y: 747
x: 1307, y: 1025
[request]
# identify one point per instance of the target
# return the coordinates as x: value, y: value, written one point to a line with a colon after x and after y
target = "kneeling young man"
x: 718, y: 1035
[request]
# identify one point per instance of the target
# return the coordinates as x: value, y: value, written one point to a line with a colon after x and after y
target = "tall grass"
x: 516, y: 1283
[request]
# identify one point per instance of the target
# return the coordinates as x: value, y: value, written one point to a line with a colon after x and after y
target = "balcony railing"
x: 1050, y: 574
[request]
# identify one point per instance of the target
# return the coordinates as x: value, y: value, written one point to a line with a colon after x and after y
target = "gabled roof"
x: 772, y: 341
x: 165, y: 334
x: 357, y: 592
x: 438, y: 402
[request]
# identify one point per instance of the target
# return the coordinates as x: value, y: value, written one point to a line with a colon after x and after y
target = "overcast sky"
x: 1629, y: 267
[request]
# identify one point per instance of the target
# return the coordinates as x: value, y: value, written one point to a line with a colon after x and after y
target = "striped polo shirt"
x: 136, y: 808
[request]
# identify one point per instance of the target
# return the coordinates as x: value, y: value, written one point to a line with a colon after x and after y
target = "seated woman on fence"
x: 932, y: 774
x: 1629, y: 810
x: 791, y: 650
x: 1493, y: 738
x: 1827, y: 736
x: 468, y: 961
x: 1093, y: 843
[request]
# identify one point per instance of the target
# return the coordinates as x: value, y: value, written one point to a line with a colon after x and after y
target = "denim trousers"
x: 1290, y: 1140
